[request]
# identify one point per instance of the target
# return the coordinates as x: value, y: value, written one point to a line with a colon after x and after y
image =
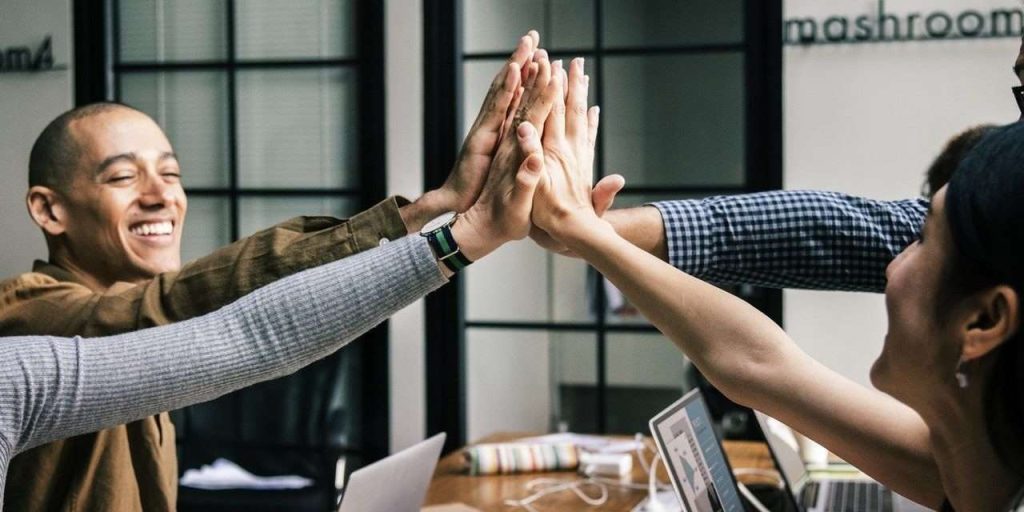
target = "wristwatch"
x: 439, y: 235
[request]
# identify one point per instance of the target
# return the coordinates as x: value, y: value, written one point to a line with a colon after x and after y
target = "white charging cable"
x: 542, y: 487
x: 764, y: 473
x: 653, y: 505
x: 751, y: 498
x: 769, y: 474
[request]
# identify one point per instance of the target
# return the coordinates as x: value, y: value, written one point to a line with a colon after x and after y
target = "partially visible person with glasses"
x: 1018, y: 92
x: 1018, y: 70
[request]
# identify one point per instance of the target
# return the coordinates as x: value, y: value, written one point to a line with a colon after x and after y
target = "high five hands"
x: 536, y: 136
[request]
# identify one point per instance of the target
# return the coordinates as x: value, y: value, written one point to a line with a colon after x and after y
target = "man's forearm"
x: 641, y: 226
x: 417, y: 213
x: 206, y: 284
x: 790, y: 239
x: 269, y: 333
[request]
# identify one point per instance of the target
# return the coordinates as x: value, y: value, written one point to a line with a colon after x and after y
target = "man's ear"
x: 994, y: 319
x: 47, y: 210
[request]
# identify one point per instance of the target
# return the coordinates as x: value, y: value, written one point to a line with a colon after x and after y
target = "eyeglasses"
x: 1018, y: 94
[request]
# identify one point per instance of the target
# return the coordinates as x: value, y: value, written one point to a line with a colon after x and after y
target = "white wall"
x: 27, y: 102
x: 867, y: 119
x: 404, y: 60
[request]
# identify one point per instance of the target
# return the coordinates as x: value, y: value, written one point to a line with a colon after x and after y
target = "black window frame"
x: 443, y: 55
x: 97, y: 71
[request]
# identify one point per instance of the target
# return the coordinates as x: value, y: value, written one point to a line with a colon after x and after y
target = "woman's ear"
x: 47, y: 210
x: 995, y: 318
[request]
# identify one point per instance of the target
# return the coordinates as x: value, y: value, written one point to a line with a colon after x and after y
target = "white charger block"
x: 606, y: 464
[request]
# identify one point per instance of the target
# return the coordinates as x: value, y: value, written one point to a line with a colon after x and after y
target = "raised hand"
x: 502, y: 211
x: 602, y: 197
x: 466, y: 180
x: 563, y: 201
x: 462, y: 187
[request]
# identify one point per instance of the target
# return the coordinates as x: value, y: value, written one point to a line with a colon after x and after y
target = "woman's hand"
x: 563, y: 206
x: 603, y: 197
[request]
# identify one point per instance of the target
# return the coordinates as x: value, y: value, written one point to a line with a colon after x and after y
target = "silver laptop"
x: 700, y: 473
x: 810, y: 494
x: 395, y: 484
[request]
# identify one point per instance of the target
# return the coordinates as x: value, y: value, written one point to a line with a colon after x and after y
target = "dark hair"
x: 952, y: 154
x: 55, y: 152
x: 984, y: 209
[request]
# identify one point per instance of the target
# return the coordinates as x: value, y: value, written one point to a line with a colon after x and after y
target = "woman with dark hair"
x: 948, y: 425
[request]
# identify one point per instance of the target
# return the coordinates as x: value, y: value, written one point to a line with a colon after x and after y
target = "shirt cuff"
x: 378, y: 225
x: 688, y: 234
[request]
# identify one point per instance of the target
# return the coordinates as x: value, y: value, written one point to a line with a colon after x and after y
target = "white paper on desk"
x: 667, y: 500
x: 598, y: 444
x: 224, y: 474
x: 451, y: 507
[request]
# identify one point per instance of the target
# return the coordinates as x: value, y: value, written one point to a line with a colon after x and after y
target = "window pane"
x: 172, y: 30
x: 298, y: 129
x: 476, y: 79
x: 645, y: 373
x: 542, y: 288
x: 192, y: 109
x: 660, y: 129
x: 632, y: 23
x: 271, y: 29
x: 509, y: 377
x: 257, y: 213
x: 207, y: 227
x: 496, y: 25
x: 618, y: 309
x: 574, y: 375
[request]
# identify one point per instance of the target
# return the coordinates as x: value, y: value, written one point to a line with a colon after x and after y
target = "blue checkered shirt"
x: 790, y: 239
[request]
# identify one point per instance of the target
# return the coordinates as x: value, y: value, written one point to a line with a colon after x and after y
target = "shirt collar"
x: 58, y: 273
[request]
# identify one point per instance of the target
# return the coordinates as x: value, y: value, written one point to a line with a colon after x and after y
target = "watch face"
x: 439, y: 222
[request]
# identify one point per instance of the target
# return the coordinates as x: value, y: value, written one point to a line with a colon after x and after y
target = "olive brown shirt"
x: 134, y: 467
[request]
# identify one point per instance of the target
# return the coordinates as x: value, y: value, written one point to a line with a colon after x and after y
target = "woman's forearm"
x: 752, y: 360
x: 688, y: 311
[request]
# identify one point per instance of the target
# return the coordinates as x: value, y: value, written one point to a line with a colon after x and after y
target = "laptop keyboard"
x: 855, y: 496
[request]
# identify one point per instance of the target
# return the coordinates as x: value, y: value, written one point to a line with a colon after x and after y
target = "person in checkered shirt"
x: 786, y: 238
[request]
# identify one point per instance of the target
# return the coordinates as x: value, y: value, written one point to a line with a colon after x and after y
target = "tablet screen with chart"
x: 700, y: 473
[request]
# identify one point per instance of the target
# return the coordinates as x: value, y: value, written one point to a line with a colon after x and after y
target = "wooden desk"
x: 451, y: 484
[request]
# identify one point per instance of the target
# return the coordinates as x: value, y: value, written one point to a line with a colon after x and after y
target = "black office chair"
x: 305, y: 424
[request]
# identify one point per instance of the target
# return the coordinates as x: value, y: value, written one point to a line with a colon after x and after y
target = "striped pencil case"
x: 492, y: 459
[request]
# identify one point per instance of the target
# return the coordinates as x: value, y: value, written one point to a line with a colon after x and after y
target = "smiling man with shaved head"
x: 105, y: 187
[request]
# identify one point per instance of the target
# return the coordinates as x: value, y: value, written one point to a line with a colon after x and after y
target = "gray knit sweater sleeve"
x: 52, y: 387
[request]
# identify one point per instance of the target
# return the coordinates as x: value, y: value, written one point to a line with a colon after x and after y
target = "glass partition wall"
x: 275, y: 109
x: 261, y: 100
x: 690, y: 96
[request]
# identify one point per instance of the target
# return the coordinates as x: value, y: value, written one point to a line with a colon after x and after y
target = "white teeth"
x: 156, y: 228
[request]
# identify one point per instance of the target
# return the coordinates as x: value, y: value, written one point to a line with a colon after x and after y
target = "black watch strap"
x: 447, y: 250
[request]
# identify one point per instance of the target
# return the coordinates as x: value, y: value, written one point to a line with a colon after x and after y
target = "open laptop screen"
x: 700, y: 473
